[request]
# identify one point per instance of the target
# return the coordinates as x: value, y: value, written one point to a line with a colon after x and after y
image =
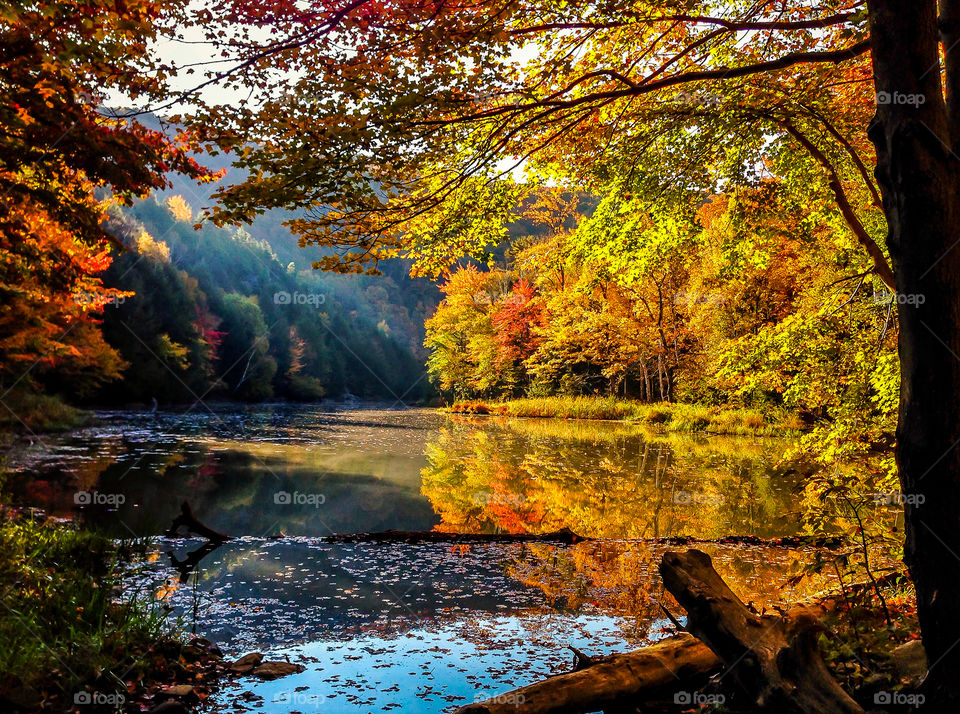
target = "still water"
x: 428, y: 627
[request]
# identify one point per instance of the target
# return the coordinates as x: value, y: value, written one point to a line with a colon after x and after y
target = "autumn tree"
x: 515, y: 321
x: 460, y: 334
x: 59, y: 146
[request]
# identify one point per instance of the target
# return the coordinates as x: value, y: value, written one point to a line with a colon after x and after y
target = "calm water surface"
x: 421, y: 628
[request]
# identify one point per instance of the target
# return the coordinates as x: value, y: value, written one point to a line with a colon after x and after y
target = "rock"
x: 247, y: 663
x: 871, y: 685
x: 177, y: 690
x: 192, y: 653
x: 273, y: 670
x: 209, y: 647
x: 169, y: 707
x: 910, y: 661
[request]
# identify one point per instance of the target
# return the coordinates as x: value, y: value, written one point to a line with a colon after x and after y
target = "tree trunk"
x: 656, y: 673
x: 564, y: 535
x: 775, y: 659
x: 917, y: 170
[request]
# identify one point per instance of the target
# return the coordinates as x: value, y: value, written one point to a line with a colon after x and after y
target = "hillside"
x: 221, y: 313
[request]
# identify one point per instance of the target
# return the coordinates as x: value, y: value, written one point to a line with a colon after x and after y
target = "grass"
x: 32, y: 412
x: 662, y: 416
x: 62, y: 628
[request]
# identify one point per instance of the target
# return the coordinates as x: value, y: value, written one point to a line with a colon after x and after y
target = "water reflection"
x: 426, y: 627
x: 606, y: 480
x: 262, y: 471
x: 417, y: 627
x: 305, y: 471
x: 255, y: 592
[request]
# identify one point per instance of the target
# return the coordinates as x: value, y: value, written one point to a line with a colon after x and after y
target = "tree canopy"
x: 394, y: 126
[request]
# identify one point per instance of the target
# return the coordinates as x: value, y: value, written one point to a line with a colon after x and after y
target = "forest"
x: 176, y: 314
x: 223, y: 227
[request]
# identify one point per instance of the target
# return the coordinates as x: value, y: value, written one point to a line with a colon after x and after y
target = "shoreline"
x: 662, y: 416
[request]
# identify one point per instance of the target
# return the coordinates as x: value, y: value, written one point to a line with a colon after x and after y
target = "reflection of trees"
x: 604, y: 480
x: 232, y: 487
x: 622, y: 578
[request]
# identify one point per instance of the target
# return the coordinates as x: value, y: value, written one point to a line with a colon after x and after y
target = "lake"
x: 425, y: 627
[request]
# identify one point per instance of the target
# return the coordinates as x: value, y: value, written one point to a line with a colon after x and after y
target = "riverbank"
x: 69, y: 639
x: 32, y: 413
x: 661, y: 415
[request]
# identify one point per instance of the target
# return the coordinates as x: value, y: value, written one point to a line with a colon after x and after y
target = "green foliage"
x: 38, y: 413
x: 249, y: 369
x: 61, y: 626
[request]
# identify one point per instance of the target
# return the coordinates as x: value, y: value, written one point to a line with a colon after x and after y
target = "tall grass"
x: 62, y: 626
x: 663, y: 416
x: 38, y: 413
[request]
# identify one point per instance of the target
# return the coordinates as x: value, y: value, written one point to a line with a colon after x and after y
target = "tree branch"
x: 733, y: 25
x: 646, y: 87
x: 880, y: 264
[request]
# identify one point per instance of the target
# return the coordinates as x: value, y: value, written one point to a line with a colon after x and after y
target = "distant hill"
x: 217, y: 313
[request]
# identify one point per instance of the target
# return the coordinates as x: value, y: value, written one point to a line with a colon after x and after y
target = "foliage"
x: 38, y: 413
x: 61, y: 625
x: 419, y: 129
x: 660, y: 416
x: 57, y: 151
x: 732, y: 307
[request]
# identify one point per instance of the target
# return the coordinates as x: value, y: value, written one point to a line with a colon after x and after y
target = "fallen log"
x: 774, y: 660
x: 651, y: 674
x: 565, y: 536
x: 568, y: 537
x: 187, y: 520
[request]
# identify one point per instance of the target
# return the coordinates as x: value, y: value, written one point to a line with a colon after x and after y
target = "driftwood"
x: 187, y: 520
x: 775, y: 660
x: 652, y: 674
x: 565, y: 536
x: 188, y: 564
